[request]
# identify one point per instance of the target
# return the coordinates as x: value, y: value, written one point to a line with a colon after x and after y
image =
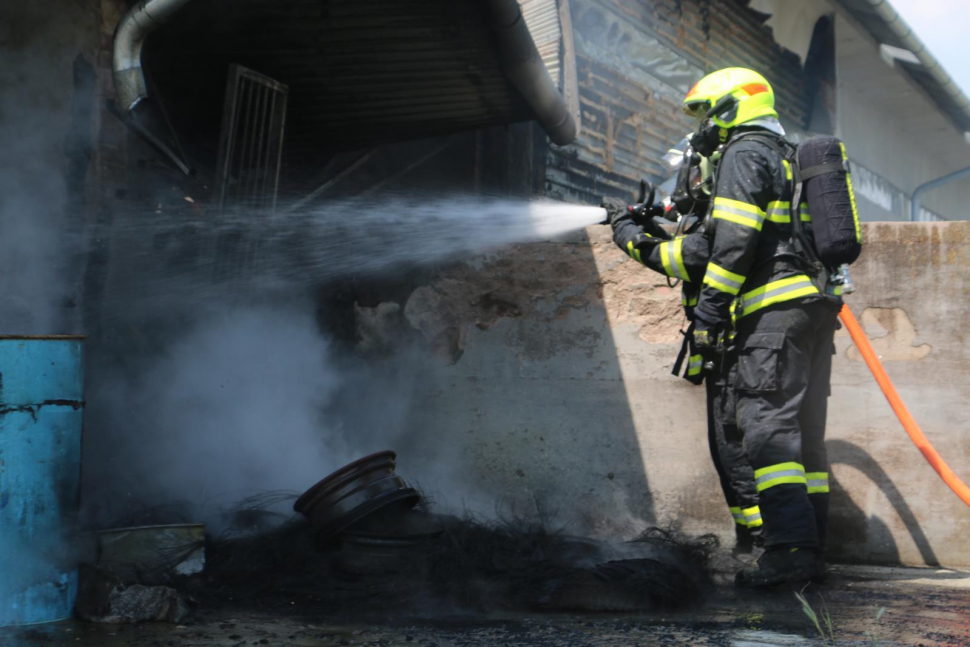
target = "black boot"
x: 781, y: 566
x: 820, y: 566
x: 747, y: 541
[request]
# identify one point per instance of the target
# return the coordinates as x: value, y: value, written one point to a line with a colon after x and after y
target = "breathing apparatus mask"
x: 709, y: 136
x: 693, y: 159
x: 691, y: 178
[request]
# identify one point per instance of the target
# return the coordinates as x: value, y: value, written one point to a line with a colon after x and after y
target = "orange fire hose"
x: 909, y: 424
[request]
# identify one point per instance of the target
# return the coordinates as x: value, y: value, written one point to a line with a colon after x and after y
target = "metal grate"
x: 251, y: 145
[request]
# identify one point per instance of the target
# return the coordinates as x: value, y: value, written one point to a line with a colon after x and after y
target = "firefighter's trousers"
x: 727, y: 448
x: 783, y: 368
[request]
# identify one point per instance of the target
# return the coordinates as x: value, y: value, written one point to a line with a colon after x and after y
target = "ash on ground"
x: 448, y: 565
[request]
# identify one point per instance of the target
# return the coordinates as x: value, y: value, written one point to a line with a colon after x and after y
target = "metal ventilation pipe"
x: 523, y: 66
x: 917, y: 200
x: 130, y: 34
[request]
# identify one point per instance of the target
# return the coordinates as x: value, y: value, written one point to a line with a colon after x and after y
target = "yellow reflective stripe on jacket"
x: 780, y: 212
x: 672, y: 256
x: 724, y: 280
x: 694, y: 365
x: 738, y: 516
x: 752, y: 517
x: 795, y: 287
x: 787, y: 166
x: 690, y: 301
x: 740, y: 213
x: 818, y: 482
x: 633, y: 252
x: 773, y: 475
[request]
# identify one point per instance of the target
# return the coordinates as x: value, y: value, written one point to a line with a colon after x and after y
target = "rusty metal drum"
x: 41, y: 408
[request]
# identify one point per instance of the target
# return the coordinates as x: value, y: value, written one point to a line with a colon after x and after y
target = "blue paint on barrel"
x: 41, y: 408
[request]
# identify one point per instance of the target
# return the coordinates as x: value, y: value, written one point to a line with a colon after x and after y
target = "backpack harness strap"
x: 821, y: 169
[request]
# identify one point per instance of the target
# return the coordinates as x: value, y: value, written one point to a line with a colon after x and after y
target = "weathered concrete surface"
x: 921, y: 606
x: 914, y: 297
x: 552, y: 390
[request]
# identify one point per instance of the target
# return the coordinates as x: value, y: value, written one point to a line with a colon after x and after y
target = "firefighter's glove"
x: 706, y: 341
x: 617, y: 210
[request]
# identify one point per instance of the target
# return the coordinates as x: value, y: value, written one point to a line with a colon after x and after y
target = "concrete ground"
x: 922, y: 607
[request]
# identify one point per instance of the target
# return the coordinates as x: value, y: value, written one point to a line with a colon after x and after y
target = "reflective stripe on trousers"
x: 818, y: 482
x: 752, y: 517
x: 748, y: 517
x: 738, y: 516
x: 773, y: 475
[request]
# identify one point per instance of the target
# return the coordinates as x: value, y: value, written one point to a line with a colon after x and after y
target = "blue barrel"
x: 41, y: 407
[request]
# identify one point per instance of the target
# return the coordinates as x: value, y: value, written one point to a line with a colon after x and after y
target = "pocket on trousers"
x: 758, y: 360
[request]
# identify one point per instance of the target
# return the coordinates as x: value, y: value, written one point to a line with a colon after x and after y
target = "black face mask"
x: 707, y: 138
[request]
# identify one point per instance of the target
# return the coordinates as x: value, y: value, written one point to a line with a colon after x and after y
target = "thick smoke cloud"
x: 40, y: 149
x: 236, y: 405
x: 230, y: 386
x: 209, y: 377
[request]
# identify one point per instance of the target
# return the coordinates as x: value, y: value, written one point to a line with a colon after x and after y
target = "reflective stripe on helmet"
x: 755, y: 96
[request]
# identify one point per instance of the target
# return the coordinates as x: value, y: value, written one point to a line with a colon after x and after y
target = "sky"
x: 942, y: 26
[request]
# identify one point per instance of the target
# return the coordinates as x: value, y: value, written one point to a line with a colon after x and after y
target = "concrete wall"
x: 550, y: 391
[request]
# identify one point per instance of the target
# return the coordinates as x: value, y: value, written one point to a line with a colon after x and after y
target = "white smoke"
x: 36, y: 243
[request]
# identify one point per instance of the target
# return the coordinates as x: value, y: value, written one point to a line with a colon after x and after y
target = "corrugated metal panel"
x: 542, y: 18
x: 635, y: 63
x: 360, y: 72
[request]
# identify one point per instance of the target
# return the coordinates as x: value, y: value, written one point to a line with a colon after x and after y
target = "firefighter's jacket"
x: 682, y: 257
x: 750, y: 226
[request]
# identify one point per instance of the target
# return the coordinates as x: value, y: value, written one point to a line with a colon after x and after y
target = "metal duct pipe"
x: 524, y: 68
x: 130, y: 34
x: 915, y: 203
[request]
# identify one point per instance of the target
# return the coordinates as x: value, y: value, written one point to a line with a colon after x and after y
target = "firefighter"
x: 756, y: 287
x: 685, y: 258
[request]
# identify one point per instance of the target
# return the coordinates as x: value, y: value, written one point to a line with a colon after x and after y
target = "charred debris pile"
x: 367, y: 543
